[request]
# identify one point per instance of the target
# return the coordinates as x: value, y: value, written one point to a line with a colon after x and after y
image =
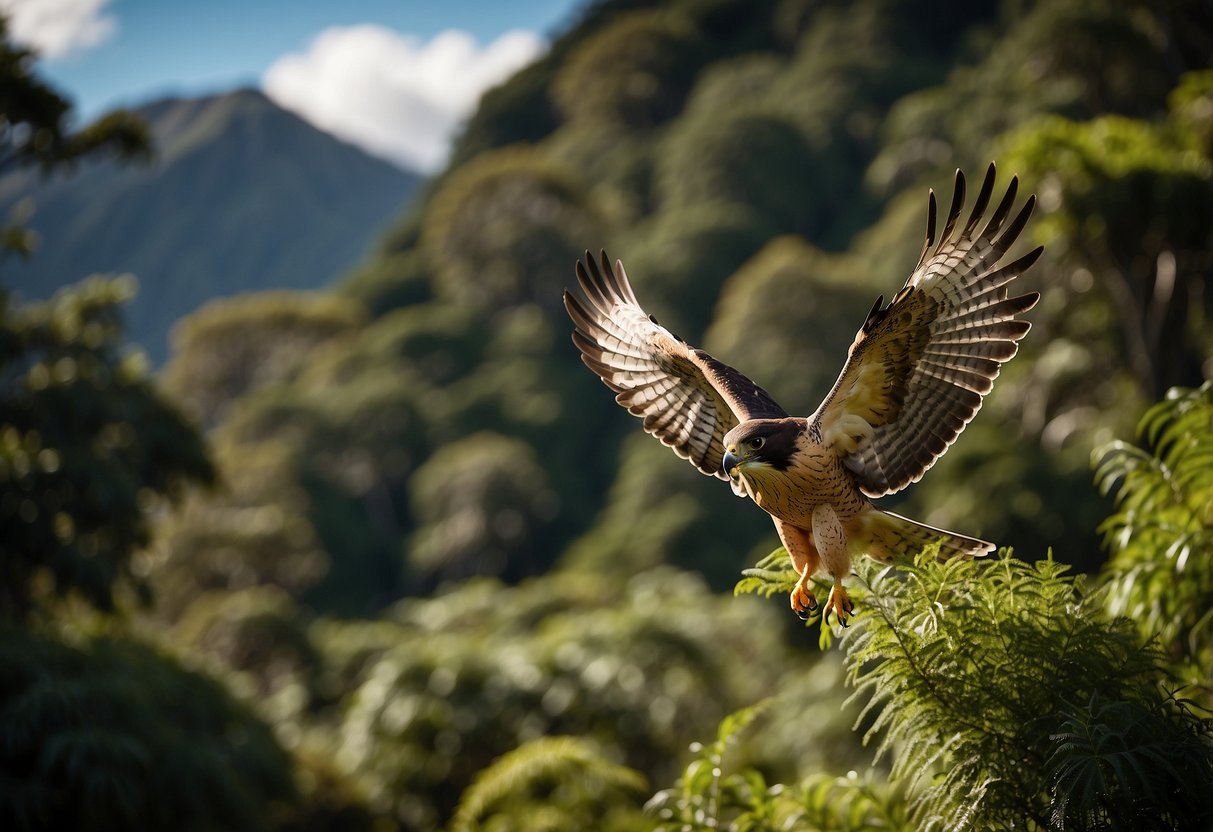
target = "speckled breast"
x: 815, y: 475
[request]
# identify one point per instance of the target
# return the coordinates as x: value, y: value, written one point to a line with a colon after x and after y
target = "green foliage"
x: 686, y: 254
x: 327, y: 458
x: 1005, y: 698
x: 111, y: 735
x: 772, y: 576
x: 258, y: 639
x: 234, y: 346
x: 550, y: 783
x: 1041, y: 495
x: 455, y: 681
x: 679, y: 520
x: 1130, y: 202
x: 811, y: 287
x: 1161, y: 533
x: 37, y: 127
x: 993, y: 684
x: 252, y: 530
x: 1191, y: 106
x: 711, y: 795
x: 481, y: 504
x: 1116, y: 765
x: 703, y: 794
x: 753, y: 160
x: 87, y: 449
x: 1076, y: 59
x: 390, y: 282
x: 502, y: 227
x: 635, y: 70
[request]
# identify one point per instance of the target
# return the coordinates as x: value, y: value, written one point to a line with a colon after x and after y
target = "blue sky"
x: 319, y: 59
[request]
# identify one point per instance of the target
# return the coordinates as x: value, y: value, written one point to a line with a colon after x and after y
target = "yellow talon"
x: 840, y: 604
x: 803, y: 602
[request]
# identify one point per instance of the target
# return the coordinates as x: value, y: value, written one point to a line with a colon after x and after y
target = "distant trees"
x: 687, y: 253
x: 112, y: 734
x: 1130, y: 203
x: 1075, y: 59
x: 502, y: 227
x: 635, y: 70
x: 234, y: 346
x: 451, y: 683
x: 790, y: 286
x: 482, y: 504
x: 87, y: 446
x: 87, y: 449
x: 752, y: 162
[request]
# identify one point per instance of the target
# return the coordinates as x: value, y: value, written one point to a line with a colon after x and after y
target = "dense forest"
x: 389, y: 557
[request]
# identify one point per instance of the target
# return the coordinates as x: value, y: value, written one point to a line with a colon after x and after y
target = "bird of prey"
x: 915, y: 375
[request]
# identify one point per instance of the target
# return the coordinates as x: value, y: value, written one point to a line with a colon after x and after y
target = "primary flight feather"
x: 915, y: 375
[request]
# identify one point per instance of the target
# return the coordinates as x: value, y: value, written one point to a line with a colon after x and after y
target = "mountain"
x: 241, y: 195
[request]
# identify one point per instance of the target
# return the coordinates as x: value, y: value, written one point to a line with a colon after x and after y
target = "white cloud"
x: 392, y: 94
x: 56, y: 28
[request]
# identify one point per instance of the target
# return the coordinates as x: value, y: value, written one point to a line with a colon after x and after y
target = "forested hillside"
x: 441, y: 581
x: 237, y: 195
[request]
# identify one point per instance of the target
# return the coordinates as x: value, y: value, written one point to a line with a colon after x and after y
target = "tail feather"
x: 883, y: 534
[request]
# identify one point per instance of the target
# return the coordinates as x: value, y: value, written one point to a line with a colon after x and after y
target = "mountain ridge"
x: 241, y: 195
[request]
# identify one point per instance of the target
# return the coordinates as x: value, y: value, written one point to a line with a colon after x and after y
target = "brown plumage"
x: 915, y: 375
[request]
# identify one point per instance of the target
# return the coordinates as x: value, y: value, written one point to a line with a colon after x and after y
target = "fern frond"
x: 773, y: 575
x: 1117, y: 764
x: 1161, y: 534
x: 959, y: 666
x: 532, y: 768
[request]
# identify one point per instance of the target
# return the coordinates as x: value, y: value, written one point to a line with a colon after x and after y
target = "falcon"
x: 915, y: 375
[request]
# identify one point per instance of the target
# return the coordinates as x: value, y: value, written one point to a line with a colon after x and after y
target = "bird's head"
x: 768, y: 443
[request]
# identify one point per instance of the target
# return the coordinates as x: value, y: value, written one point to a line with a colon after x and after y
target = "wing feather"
x: 919, y: 368
x: 685, y: 397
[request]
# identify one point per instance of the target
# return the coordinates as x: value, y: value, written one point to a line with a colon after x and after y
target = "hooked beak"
x: 730, y: 461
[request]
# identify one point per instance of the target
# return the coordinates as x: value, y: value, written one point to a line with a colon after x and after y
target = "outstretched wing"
x: 687, y: 398
x: 919, y: 368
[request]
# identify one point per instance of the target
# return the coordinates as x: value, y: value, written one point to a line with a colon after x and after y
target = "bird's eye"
x: 757, y: 442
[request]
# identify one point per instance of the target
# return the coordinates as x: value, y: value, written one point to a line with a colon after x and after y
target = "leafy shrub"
x: 710, y: 796
x: 1005, y: 698
x: 551, y: 783
x: 638, y: 669
x: 87, y: 448
x: 111, y: 735
x: 1161, y: 534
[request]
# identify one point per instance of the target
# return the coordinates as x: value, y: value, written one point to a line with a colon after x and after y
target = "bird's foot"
x: 803, y: 602
x: 840, y: 604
